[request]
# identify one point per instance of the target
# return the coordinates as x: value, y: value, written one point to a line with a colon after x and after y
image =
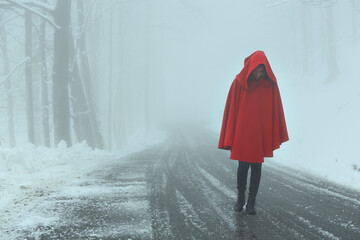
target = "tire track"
x: 195, y: 188
x: 193, y: 199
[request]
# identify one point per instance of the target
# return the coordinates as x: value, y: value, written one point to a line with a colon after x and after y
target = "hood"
x: 252, y: 62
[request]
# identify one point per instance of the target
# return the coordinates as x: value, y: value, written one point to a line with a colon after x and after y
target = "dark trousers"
x: 255, y: 177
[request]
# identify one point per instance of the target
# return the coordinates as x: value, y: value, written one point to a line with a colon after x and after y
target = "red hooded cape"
x: 253, y: 124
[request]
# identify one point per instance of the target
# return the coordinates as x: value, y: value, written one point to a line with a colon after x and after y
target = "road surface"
x: 185, y: 189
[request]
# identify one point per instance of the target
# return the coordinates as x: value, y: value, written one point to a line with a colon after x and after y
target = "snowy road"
x: 185, y: 189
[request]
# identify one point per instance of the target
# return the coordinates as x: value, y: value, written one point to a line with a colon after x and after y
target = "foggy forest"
x: 102, y: 75
x: 100, y: 70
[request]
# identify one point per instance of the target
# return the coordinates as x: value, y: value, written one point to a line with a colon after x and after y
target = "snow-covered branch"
x: 40, y: 5
x: 79, y: 35
x: 276, y: 3
x: 321, y: 3
x: 34, y: 7
x: 13, y: 70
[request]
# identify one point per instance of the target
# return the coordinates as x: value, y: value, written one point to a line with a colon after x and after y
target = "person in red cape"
x: 253, y: 124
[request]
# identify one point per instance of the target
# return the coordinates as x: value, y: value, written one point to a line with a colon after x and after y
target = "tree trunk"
x: 306, y: 51
x: 10, y: 104
x: 44, y: 85
x: 81, y: 88
x: 120, y: 128
x: 28, y: 77
x: 333, y: 69
x: 61, y: 107
x: 147, y: 72
x: 80, y: 109
x: 355, y: 18
x: 110, y: 131
x: 85, y: 67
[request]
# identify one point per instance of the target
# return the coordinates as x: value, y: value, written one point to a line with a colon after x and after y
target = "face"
x: 258, y: 72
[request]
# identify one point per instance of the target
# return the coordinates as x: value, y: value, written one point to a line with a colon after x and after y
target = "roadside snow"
x: 29, y: 172
x: 323, y: 126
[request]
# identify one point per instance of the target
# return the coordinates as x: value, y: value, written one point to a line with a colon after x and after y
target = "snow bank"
x: 323, y: 121
x: 30, y: 171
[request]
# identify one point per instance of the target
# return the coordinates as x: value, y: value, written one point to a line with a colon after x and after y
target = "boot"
x: 242, y: 173
x: 240, y: 202
x: 254, y: 186
x: 250, y: 205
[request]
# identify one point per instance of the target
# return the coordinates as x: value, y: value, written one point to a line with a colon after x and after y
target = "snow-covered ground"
x: 323, y: 121
x: 323, y: 124
x: 29, y: 172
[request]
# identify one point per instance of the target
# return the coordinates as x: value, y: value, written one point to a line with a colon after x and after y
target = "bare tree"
x: 61, y: 109
x: 44, y: 84
x: 28, y: 77
x: 110, y: 127
x: 10, y: 105
x: 306, y: 42
x: 147, y: 70
x: 355, y: 19
x: 84, y: 115
x: 333, y: 69
x: 83, y: 107
x: 85, y: 67
x: 330, y: 44
x: 45, y: 12
x: 80, y: 109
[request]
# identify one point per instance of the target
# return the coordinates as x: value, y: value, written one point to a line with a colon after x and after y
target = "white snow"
x: 30, y: 172
x: 217, y: 184
x: 323, y: 125
x: 322, y: 117
x: 319, y: 229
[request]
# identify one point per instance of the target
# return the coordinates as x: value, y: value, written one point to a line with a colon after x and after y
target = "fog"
x: 94, y: 95
x: 156, y: 64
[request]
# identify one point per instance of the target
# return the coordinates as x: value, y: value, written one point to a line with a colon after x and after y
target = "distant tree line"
x: 61, y: 64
